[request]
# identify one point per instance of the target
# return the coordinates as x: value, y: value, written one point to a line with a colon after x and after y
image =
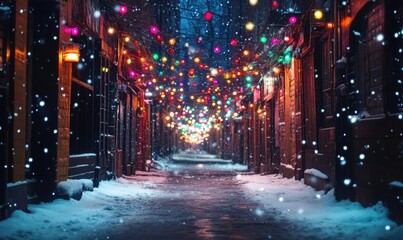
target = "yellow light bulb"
x: 249, y: 26
x: 253, y: 2
x: 318, y: 14
x: 111, y: 30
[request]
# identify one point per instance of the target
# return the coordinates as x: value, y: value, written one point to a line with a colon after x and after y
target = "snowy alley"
x: 206, y: 119
x: 193, y: 200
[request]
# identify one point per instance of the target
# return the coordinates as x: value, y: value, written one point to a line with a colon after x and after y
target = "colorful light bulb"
x: 208, y: 15
x: 233, y: 42
x: 154, y: 30
x: 122, y: 9
x: 292, y: 20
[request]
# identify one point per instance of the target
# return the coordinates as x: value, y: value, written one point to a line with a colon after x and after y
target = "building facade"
x: 64, y: 120
x: 332, y: 115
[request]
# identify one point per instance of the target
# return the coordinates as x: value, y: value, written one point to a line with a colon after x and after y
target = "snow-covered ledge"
x: 316, y: 179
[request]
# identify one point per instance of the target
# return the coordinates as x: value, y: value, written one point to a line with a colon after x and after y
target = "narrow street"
x: 199, y: 205
x: 208, y: 119
x: 199, y: 196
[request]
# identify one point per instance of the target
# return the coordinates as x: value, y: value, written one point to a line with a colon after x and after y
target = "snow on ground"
x: 319, y: 212
x: 285, y: 198
x: 197, y: 156
x: 203, y: 166
x: 70, y: 219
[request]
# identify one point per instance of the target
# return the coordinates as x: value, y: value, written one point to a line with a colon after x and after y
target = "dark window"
x: 84, y: 69
x: 366, y: 68
x: 81, y: 125
x: 323, y: 82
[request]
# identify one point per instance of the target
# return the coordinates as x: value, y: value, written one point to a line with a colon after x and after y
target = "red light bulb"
x: 170, y: 51
x: 208, y: 15
x: 233, y: 42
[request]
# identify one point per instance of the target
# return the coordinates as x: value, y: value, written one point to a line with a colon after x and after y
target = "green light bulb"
x: 263, y: 39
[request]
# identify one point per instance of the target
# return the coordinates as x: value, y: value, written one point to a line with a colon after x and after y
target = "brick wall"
x: 64, y: 96
x: 20, y: 82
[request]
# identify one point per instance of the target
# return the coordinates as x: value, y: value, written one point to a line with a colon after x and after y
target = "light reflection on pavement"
x: 199, y: 205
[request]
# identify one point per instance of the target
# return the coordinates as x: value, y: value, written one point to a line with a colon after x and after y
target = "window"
x: 83, y: 70
x: 367, y: 59
x: 323, y: 82
x: 81, y: 121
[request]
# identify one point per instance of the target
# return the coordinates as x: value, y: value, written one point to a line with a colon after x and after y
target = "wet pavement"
x: 196, y: 205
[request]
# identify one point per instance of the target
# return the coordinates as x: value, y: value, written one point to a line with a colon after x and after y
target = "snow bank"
x: 84, y: 219
x: 320, y: 213
x: 73, y: 188
x: 396, y: 184
x: 316, y: 173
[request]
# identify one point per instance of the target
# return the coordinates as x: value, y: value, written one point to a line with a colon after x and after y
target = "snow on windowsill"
x: 288, y: 166
x: 9, y: 185
x: 83, y: 155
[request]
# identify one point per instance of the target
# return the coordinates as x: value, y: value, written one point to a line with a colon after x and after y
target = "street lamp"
x: 71, y: 53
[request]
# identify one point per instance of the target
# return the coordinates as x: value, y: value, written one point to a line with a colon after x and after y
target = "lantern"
x: 71, y: 53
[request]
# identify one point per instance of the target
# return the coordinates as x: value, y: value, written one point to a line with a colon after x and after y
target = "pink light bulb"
x: 292, y: 20
x: 154, y: 30
x: 74, y: 31
x: 122, y: 9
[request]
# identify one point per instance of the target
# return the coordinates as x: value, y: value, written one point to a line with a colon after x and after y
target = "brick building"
x: 64, y: 120
x: 332, y: 115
